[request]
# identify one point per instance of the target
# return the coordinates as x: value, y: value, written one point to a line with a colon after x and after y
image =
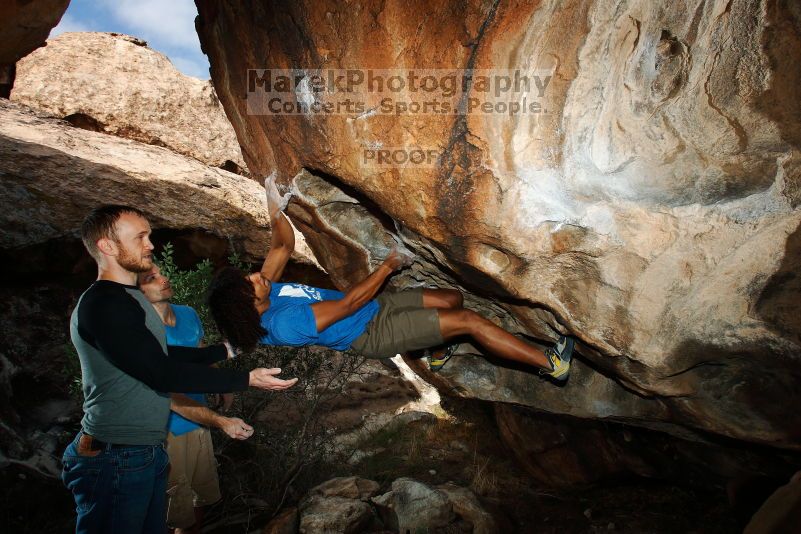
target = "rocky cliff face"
x: 650, y: 208
x: 115, y: 84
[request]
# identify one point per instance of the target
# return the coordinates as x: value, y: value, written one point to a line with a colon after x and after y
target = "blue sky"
x: 167, y: 25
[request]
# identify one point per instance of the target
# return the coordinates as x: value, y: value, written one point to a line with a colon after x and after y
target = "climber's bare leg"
x: 442, y: 298
x: 496, y: 340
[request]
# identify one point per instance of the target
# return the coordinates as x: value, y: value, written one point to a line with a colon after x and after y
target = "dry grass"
x: 414, y: 450
x: 484, y: 480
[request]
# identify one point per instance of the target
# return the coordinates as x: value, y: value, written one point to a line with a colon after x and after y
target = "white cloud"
x: 68, y: 24
x: 171, y: 23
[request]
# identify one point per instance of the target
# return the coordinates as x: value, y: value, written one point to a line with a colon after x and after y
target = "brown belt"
x: 91, y: 446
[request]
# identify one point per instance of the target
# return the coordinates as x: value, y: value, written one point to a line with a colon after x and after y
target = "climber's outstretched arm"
x: 282, y: 242
x: 328, y: 312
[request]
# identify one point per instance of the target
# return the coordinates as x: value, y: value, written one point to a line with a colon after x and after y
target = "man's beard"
x: 131, y: 263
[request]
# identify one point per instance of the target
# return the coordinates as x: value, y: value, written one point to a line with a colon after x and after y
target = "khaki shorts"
x: 193, y: 476
x: 401, y: 325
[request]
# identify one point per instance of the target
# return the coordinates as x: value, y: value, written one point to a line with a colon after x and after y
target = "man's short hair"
x: 101, y: 223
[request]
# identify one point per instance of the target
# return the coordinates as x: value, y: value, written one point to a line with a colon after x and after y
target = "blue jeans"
x: 117, y: 490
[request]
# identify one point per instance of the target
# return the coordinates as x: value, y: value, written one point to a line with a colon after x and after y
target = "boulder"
x: 322, y: 515
x: 650, y: 207
x: 348, y: 237
x: 412, y: 505
x: 116, y: 84
x: 468, y: 508
x: 347, y: 487
x: 54, y: 173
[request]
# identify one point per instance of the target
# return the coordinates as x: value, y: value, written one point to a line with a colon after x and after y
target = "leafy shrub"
x: 190, y: 287
x: 71, y: 372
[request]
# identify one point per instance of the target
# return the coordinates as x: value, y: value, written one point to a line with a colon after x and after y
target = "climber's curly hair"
x: 231, y: 302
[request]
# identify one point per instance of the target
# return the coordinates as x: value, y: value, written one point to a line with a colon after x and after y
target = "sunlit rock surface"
x: 651, y: 210
x: 52, y: 174
x: 116, y: 84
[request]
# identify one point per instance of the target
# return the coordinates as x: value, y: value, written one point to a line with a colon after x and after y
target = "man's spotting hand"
x: 275, y: 202
x: 266, y: 379
x: 235, y: 428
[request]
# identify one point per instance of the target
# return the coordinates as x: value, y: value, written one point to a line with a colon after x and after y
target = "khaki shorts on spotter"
x: 193, y: 478
x: 401, y: 325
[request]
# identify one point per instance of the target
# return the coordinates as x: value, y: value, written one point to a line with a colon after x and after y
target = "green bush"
x: 190, y: 287
x: 71, y: 372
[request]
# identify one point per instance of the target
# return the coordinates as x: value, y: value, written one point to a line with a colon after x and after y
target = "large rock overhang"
x: 652, y: 212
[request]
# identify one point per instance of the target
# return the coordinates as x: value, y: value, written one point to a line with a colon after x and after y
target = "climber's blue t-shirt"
x: 187, y: 332
x: 290, y: 321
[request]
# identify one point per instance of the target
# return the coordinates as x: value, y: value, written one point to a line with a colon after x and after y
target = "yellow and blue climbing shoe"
x: 435, y: 363
x: 559, y: 357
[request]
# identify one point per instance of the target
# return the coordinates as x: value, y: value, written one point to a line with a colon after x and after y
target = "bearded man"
x: 116, y: 467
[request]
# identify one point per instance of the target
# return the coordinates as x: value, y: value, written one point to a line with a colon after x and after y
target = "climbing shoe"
x: 559, y: 357
x: 435, y: 363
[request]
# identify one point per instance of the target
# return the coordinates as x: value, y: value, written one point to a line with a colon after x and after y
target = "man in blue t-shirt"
x: 193, y: 483
x: 256, y: 308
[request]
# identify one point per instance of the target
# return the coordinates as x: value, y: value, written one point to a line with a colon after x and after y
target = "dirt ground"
x: 468, y: 452
x: 464, y: 450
